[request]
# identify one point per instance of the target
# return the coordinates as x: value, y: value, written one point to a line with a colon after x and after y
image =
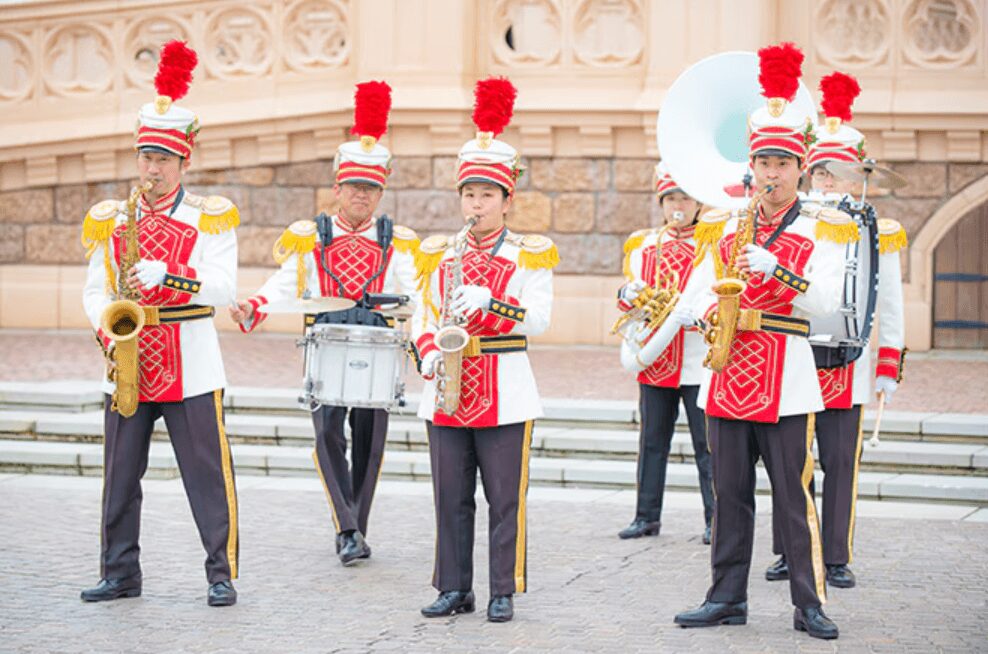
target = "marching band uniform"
x: 190, y: 240
x: 762, y: 403
x: 347, y: 261
x: 674, y: 375
x: 845, y: 389
x: 491, y: 430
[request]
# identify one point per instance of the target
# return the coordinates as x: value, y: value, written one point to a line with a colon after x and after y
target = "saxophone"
x: 723, y: 322
x: 123, y: 319
x: 452, y: 338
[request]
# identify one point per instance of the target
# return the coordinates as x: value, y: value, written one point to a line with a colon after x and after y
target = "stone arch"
x: 919, y: 291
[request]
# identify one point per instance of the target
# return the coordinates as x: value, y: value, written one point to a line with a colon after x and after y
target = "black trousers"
x: 839, y: 440
x: 785, y: 447
x: 659, y: 411
x: 501, y: 454
x: 350, y: 490
x: 198, y: 436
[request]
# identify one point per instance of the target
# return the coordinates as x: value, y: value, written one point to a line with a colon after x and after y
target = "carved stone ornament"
x: 78, y: 59
x: 142, y: 43
x: 316, y: 35
x: 239, y: 43
x: 942, y: 33
x: 527, y: 32
x: 853, y: 33
x: 609, y: 33
x: 17, y: 70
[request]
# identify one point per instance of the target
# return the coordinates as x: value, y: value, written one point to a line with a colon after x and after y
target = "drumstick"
x: 878, y: 419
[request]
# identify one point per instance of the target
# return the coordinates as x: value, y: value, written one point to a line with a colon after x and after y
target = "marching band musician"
x: 187, y: 251
x: 497, y: 286
x: 346, y: 255
x: 847, y: 387
x: 761, y: 397
x: 651, y: 256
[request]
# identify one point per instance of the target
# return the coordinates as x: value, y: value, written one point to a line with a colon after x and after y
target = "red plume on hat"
x: 174, y: 73
x: 494, y: 102
x: 372, y: 104
x: 780, y: 67
x: 839, y: 91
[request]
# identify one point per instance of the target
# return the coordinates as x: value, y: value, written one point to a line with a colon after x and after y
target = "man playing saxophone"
x: 663, y: 259
x: 771, y: 274
x: 483, y: 293
x: 152, y: 308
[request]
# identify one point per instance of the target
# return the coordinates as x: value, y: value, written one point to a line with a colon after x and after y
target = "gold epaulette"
x: 633, y: 243
x: 405, y: 239
x: 891, y: 236
x: 217, y: 213
x: 428, y: 255
x: 537, y: 251
x: 299, y: 238
x: 831, y: 224
x: 710, y: 228
x: 99, y: 223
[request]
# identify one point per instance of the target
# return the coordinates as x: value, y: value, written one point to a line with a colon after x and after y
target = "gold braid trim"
x: 96, y: 232
x: 426, y: 264
x: 290, y: 243
x: 827, y: 231
x: 219, y: 222
x: 407, y: 246
x: 892, y: 242
x: 537, y: 261
x: 707, y: 235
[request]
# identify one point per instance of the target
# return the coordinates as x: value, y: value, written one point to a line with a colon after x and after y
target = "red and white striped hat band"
x: 491, y: 173
x: 822, y: 152
x: 175, y: 141
x: 773, y: 137
x: 665, y: 185
x: 353, y: 172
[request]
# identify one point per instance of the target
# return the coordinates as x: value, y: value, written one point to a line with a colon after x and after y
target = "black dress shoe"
x: 711, y: 614
x: 706, y: 535
x: 814, y: 622
x: 778, y: 570
x: 840, y: 576
x: 638, y: 528
x: 111, y: 589
x: 222, y: 593
x: 354, y: 548
x: 450, y: 602
x: 500, y: 609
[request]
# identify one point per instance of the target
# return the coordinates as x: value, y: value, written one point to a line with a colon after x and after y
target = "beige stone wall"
x: 274, y: 89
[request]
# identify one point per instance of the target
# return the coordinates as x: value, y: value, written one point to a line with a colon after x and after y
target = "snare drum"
x: 353, y: 365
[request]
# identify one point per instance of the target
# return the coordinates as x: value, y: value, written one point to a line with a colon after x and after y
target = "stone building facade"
x: 274, y: 91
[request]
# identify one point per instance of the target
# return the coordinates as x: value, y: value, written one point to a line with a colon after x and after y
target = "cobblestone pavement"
x: 937, y: 381
x: 922, y: 582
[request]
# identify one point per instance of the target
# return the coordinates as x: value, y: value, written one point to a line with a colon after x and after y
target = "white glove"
x: 151, y: 273
x: 428, y: 365
x: 631, y: 290
x: 887, y: 384
x: 470, y: 298
x: 760, y: 259
x: 683, y: 316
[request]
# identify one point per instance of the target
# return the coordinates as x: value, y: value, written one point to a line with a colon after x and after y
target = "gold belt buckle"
x: 472, y: 348
x: 151, y: 316
x: 750, y: 320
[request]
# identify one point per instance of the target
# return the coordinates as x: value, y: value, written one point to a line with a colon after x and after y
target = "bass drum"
x: 840, y: 338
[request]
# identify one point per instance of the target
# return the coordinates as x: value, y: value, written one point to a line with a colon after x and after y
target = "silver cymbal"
x: 859, y: 171
x: 400, y: 312
x: 312, y: 305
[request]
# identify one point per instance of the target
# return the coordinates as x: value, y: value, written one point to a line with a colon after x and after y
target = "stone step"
x: 67, y: 396
x: 407, y: 433
x: 87, y: 459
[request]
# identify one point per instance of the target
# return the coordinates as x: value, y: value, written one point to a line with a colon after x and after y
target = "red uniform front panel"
x: 479, y: 378
x: 353, y: 259
x: 837, y: 385
x: 677, y: 256
x: 750, y: 385
x: 161, y: 238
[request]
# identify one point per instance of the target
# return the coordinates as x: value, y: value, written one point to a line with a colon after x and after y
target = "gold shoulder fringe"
x: 426, y: 264
x: 299, y: 238
x: 99, y: 224
x: 845, y: 233
x: 405, y: 240
x: 218, y: 215
x: 708, y: 233
x: 893, y: 241
x: 538, y: 260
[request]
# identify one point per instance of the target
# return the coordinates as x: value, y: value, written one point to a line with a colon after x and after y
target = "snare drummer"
x: 504, y: 295
x: 347, y: 255
x: 846, y: 388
